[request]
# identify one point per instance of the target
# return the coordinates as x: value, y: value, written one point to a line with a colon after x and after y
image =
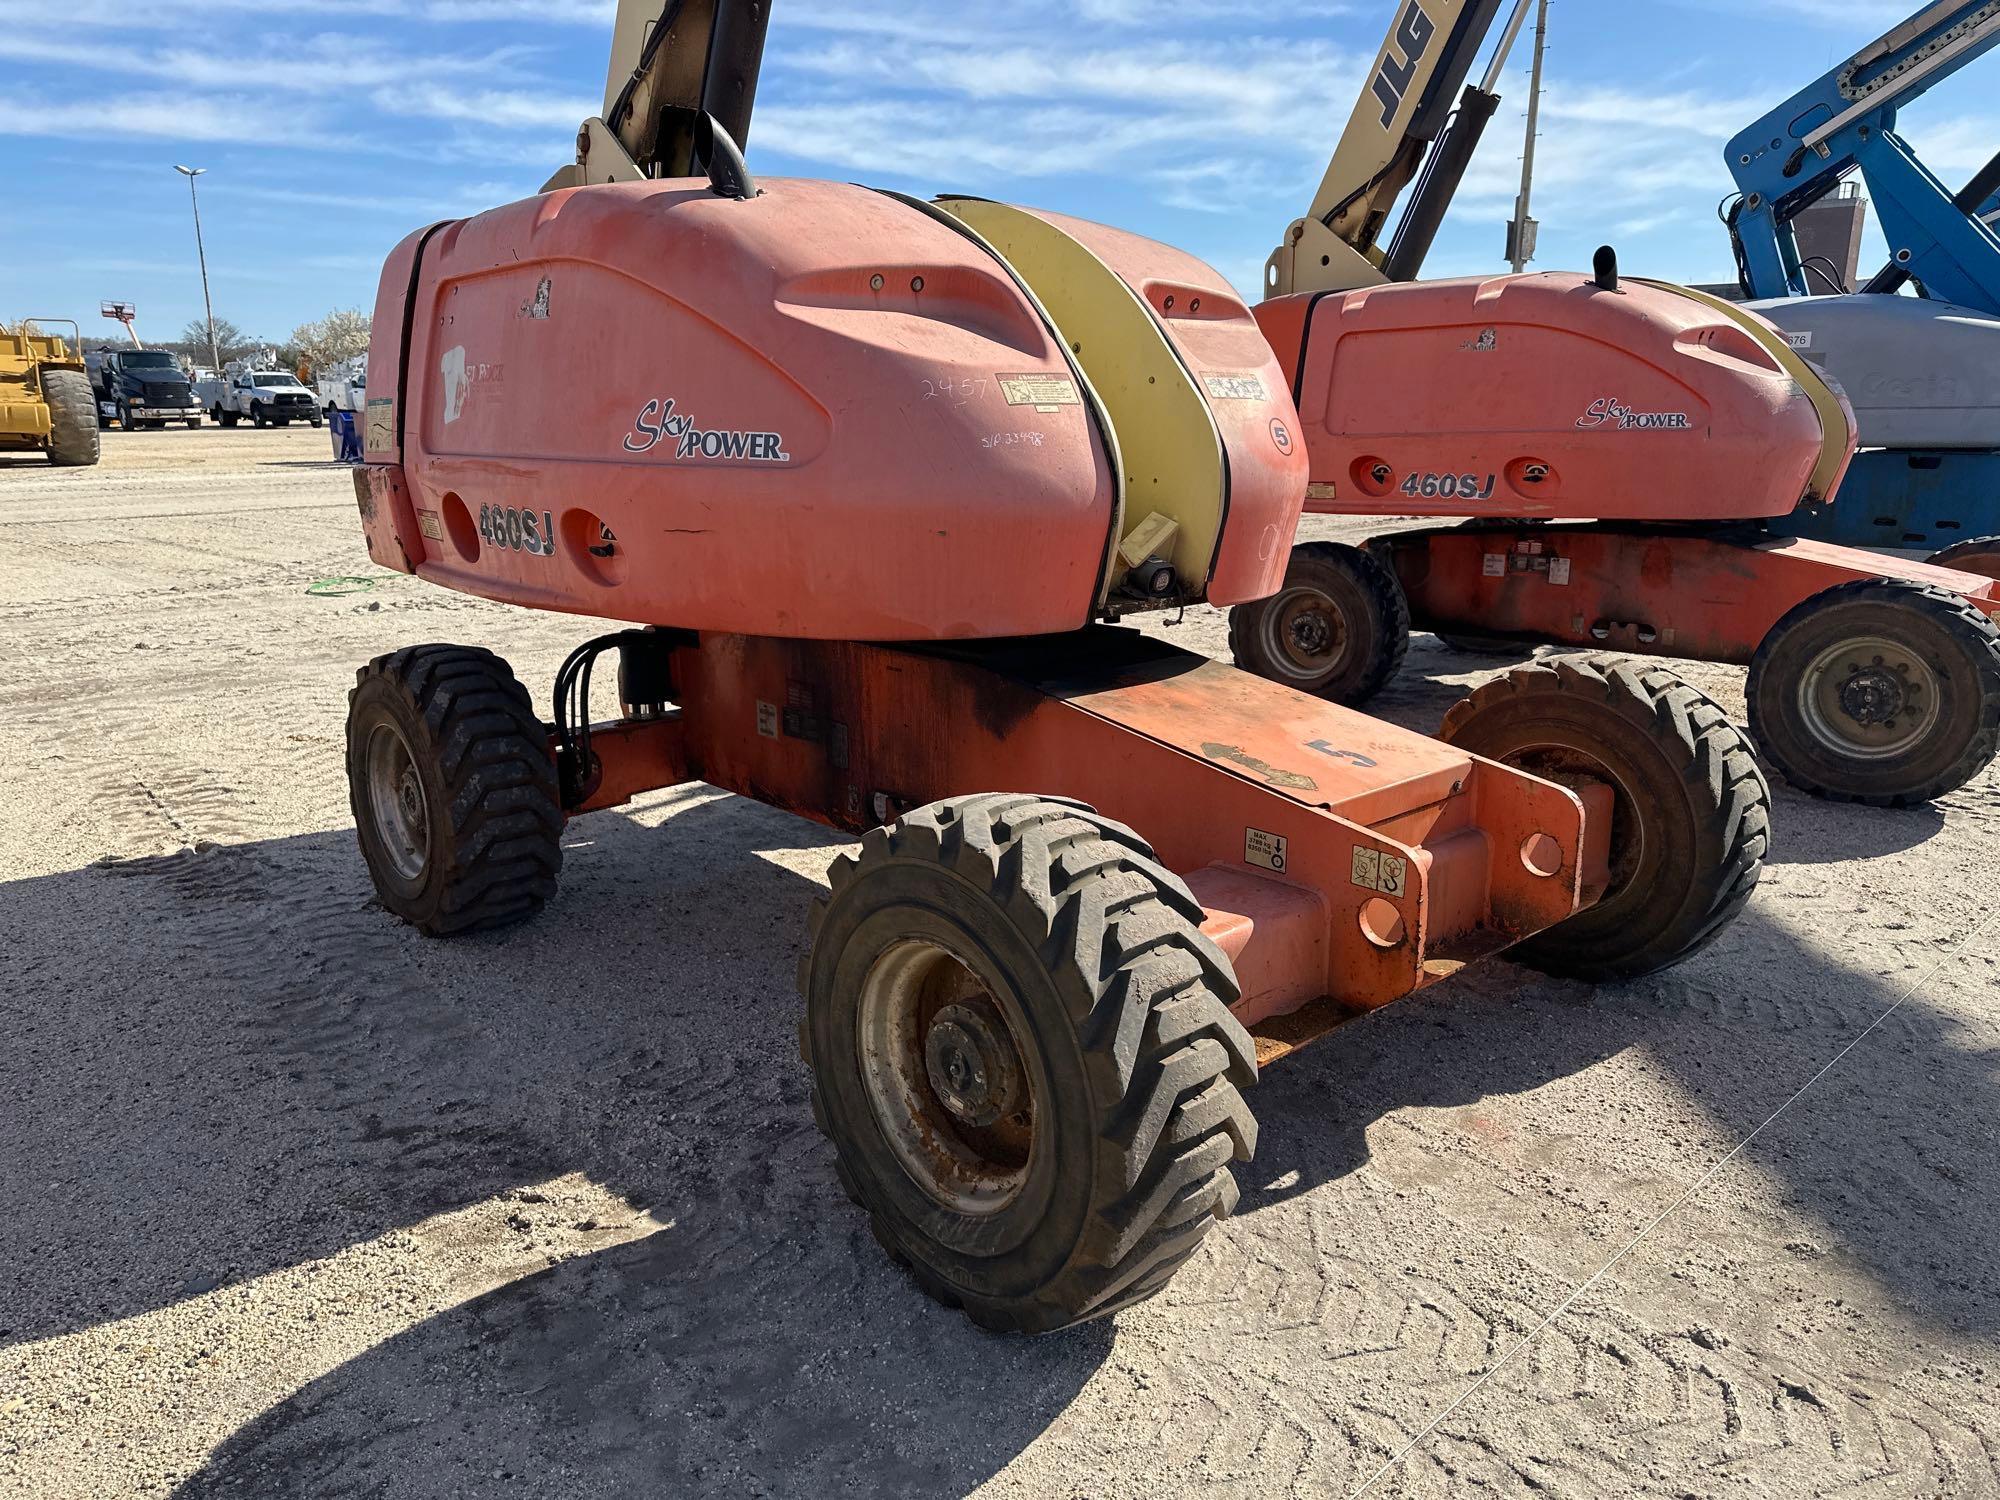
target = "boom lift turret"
x: 874, y: 472
x: 1621, y: 445
x: 1923, y: 372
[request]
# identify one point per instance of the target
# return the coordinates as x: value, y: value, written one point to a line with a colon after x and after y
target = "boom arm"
x: 1403, y: 123
x: 672, y: 62
x: 1844, y: 122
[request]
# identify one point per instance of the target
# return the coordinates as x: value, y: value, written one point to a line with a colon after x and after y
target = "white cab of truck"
x: 344, y: 386
x: 269, y: 398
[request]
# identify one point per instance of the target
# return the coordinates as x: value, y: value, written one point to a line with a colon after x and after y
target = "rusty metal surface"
x: 634, y: 756
x: 1647, y: 590
x: 854, y: 735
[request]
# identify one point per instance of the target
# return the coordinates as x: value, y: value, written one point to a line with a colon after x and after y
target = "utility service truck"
x: 267, y: 397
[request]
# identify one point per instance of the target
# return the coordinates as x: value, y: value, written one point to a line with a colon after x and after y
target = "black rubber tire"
x: 257, y: 417
x: 1362, y: 603
x: 316, y: 421
x: 1093, y: 954
x: 191, y: 423
x: 1693, y: 816
x: 1977, y: 554
x: 73, y: 439
x: 225, y: 418
x: 1485, y: 645
x: 1958, y: 643
x: 480, y: 753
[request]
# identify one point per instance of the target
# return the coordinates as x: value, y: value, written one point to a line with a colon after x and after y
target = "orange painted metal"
x: 821, y: 417
x: 1223, y: 349
x: 800, y: 414
x: 1275, y: 933
x: 1219, y: 770
x: 634, y: 756
x: 1711, y: 596
x: 1541, y: 396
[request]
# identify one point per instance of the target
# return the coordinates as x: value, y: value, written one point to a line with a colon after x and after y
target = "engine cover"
x: 821, y: 412
x: 1543, y: 396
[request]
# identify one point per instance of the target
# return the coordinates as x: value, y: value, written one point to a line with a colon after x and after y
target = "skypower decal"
x: 658, y: 423
x: 1610, y: 412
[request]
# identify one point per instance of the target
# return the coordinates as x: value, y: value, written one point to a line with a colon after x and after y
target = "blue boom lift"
x: 1922, y: 372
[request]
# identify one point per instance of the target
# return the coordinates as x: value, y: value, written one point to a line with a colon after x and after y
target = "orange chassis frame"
x: 1709, y: 594
x: 1342, y: 862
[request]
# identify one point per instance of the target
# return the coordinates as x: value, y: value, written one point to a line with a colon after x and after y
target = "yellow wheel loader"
x: 45, y: 397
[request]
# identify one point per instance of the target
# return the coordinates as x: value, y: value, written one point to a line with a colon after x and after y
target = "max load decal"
x: 658, y: 422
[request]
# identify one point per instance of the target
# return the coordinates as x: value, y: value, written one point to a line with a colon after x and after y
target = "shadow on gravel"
x: 234, y: 1064
x: 1891, y: 1153
x: 1811, y: 831
x: 231, y: 1063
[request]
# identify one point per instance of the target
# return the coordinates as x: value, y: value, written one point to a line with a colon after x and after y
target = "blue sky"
x: 330, y: 130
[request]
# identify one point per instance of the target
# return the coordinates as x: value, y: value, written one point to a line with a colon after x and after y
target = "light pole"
x: 1521, y: 233
x: 214, y: 354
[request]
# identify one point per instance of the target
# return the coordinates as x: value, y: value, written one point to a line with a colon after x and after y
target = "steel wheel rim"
x: 397, y: 803
x: 1304, y: 633
x: 1869, y: 698
x: 937, y: 1053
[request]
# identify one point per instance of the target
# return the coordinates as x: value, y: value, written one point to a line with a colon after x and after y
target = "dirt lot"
x: 298, y: 1203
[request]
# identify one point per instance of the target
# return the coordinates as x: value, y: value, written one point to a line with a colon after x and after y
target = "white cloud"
x: 161, y: 116
x: 312, y: 67
x: 126, y: 16
x: 1256, y: 83
x: 503, y: 109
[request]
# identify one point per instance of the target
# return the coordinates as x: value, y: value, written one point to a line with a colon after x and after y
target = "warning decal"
x: 379, y: 432
x: 1045, y: 390
x: 1229, y: 386
x: 1377, y: 871
x: 1264, y: 850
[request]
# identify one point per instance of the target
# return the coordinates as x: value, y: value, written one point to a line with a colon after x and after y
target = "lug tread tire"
x: 1725, y: 791
x: 1148, y: 994
x: 491, y: 758
x: 73, y: 430
x: 1981, y: 551
x: 1962, y: 622
x: 1332, y: 565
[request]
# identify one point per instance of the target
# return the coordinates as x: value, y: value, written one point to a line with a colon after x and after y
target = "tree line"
x: 339, y: 335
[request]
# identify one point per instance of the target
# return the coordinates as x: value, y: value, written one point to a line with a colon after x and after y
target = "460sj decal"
x: 1448, y: 487
x: 518, y: 530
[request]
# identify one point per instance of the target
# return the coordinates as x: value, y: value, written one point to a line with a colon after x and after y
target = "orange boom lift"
x: 882, y: 476
x: 1618, y: 444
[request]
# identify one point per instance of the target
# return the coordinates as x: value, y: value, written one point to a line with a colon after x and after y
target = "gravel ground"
x: 298, y: 1203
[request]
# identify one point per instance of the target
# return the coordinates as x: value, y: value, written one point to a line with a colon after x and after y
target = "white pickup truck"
x: 267, y: 397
